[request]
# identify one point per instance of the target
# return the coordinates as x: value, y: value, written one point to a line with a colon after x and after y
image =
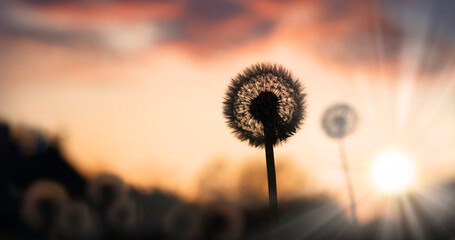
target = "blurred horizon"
x: 136, y: 87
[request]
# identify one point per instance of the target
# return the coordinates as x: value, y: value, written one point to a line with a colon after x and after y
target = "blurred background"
x: 134, y: 88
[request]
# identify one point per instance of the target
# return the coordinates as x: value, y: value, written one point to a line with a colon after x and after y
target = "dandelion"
x: 221, y: 221
x: 75, y: 222
x: 264, y: 105
x: 338, y: 121
x: 122, y: 215
x: 183, y: 222
x: 105, y: 189
x: 43, y: 201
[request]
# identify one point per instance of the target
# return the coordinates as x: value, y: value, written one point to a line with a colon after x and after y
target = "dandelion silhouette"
x: 183, y: 222
x: 221, y: 221
x: 75, y: 222
x: 105, y: 189
x: 43, y: 201
x: 264, y: 106
x: 338, y: 121
x: 122, y: 216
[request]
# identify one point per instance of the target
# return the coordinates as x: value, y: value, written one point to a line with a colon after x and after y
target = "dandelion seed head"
x: 222, y: 221
x: 264, y: 102
x: 339, y: 120
x: 183, y: 221
x: 43, y: 201
x: 75, y: 222
x: 122, y: 215
x: 105, y: 189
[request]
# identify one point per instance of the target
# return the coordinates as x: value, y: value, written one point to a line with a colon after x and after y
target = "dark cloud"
x: 431, y: 23
x: 339, y: 31
x: 15, y: 21
x: 214, y: 10
x: 45, y: 1
x: 217, y: 24
x: 438, y: 14
x: 207, y: 23
x: 438, y: 56
x: 374, y: 44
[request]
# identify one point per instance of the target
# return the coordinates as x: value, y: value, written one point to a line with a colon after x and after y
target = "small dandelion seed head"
x: 183, y: 221
x: 222, y: 221
x: 43, y: 201
x: 339, y: 120
x: 75, y: 222
x: 264, y: 103
x: 105, y: 189
x: 122, y: 216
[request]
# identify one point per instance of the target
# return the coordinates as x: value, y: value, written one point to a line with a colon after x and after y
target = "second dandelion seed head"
x: 339, y: 120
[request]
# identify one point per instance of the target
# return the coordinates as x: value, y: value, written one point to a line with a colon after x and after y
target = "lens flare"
x: 392, y: 171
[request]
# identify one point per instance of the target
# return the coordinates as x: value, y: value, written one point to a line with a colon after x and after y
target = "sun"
x: 392, y: 171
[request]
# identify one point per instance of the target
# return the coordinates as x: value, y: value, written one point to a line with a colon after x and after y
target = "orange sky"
x: 130, y: 96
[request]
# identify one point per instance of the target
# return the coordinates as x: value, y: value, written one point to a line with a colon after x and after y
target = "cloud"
x: 427, y: 29
x: 337, y: 31
x: 344, y: 32
x: 121, y: 26
x: 18, y: 21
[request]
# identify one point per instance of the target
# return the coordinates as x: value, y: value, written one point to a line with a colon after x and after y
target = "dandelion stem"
x: 271, y: 179
x: 349, y: 185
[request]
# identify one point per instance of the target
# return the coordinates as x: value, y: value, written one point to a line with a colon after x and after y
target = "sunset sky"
x: 136, y: 87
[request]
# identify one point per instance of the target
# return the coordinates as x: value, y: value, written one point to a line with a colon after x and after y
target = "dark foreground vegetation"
x: 43, y: 197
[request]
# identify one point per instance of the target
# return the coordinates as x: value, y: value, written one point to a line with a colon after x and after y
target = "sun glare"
x: 392, y: 171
